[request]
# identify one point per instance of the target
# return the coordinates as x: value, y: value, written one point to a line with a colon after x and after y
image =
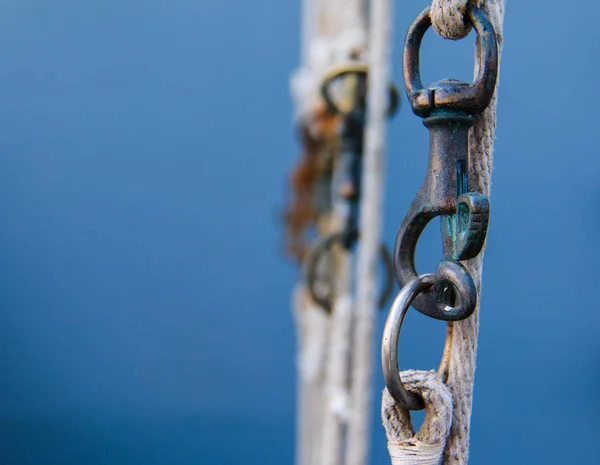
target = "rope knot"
x: 448, y: 17
x: 426, y: 446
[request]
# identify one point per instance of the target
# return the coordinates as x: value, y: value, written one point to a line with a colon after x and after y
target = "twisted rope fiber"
x: 349, y: 30
x: 371, y: 224
x: 448, y: 21
x: 336, y: 375
x: 461, y: 373
x: 427, y: 445
x: 448, y: 17
x: 312, y: 335
x: 332, y: 31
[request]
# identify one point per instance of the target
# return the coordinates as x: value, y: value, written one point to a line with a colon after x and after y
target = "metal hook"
x: 347, y: 177
x: 322, y: 247
x: 449, y: 107
x: 352, y: 108
x: 348, y: 169
x: 360, y: 71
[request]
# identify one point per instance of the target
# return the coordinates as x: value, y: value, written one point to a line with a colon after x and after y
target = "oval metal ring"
x: 317, y: 253
x: 471, y: 98
x: 358, y: 69
x: 452, y: 275
x: 391, y: 336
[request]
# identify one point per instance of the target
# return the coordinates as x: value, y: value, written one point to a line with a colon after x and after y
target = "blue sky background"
x: 144, y: 149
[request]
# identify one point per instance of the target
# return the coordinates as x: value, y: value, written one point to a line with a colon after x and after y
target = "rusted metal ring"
x: 359, y: 69
x: 451, y: 94
x: 391, y: 337
x: 322, y: 247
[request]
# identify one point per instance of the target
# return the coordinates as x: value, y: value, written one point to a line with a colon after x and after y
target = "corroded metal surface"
x: 449, y: 107
x: 324, y: 297
x: 451, y: 94
x: 348, y: 173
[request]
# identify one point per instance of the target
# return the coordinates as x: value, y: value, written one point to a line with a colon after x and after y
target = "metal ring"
x: 451, y: 275
x: 314, y: 257
x: 359, y: 69
x: 391, y: 336
x: 451, y: 94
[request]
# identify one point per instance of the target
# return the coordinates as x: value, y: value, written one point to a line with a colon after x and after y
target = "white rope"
x: 335, y: 415
x: 447, y: 17
x: 461, y: 373
x: 347, y: 19
x: 427, y: 445
x: 311, y: 321
x: 371, y: 206
x: 448, y: 21
x: 332, y: 32
x: 338, y: 30
x: 311, y: 325
x: 339, y: 352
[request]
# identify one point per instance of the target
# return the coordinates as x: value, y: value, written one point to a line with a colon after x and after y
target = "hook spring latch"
x: 449, y: 108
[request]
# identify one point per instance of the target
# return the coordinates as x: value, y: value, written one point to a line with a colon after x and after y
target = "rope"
x: 447, y: 19
x: 370, y: 229
x: 311, y: 322
x: 427, y: 445
x: 461, y: 374
x: 311, y: 326
x: 332, y: 32
x: 336, y: 383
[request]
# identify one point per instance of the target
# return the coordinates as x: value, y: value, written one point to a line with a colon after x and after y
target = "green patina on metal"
x: 449, y: 108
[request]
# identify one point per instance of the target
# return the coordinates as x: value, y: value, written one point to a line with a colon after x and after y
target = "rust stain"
x: 318, y: 138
